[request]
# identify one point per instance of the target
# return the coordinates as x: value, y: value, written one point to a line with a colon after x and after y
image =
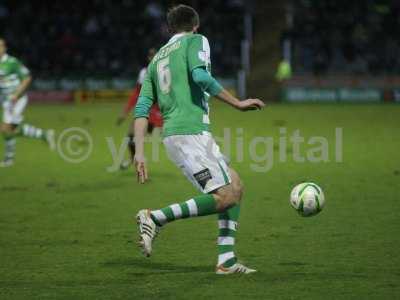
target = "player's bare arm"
x: 248, y: 104
x: 210, y: 85
x: 140, y: 162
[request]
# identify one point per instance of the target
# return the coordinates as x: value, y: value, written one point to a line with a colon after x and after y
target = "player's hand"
x: 141, y: 169
x: 250, y: 104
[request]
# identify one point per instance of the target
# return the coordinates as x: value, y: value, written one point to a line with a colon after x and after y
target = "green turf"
x: 67, y: 230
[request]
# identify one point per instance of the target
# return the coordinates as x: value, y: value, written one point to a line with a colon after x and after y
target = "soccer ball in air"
x: 307, y: 198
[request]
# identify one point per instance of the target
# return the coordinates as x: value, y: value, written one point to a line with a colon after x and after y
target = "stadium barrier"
x: 90, y: 90
x: 341, y: 89
x: 90, y: 96
x: 51, y: 96
x: 89, y: 83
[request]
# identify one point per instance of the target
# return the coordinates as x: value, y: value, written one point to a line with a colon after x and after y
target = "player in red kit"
x: 155, y: 118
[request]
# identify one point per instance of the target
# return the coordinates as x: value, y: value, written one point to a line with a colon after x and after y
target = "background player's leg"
x: 150, y: 128
x: 15, y: 117
x: 10, y: 143
x: 24, y: 129
x: 30, y: 131
x: 227, y: 224
x: 125, y: 164
x: 131, y: 141
x: 131, y: 146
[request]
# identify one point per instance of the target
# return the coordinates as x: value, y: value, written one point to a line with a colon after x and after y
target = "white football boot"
x: 236, y: 268
x: 6, y: 163
x: 148, y: 230
x: 50, y: 139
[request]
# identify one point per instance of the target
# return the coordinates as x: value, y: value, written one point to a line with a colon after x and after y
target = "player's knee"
x: 228, y: 196
x: 236, y: 185
x: 237, y: 188
x: 5, y: 128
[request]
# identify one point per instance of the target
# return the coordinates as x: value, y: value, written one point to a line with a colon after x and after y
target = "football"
x: 307, y: 199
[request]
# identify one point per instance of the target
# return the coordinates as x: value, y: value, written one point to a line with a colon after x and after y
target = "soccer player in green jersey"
x: 15, y: 79
x: 179, y: 80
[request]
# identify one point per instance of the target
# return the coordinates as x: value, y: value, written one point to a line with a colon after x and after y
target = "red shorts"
x: 155, y: 117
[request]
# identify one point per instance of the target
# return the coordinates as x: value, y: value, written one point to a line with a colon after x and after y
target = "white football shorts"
x: 13, y: 114
x: 200, y: 159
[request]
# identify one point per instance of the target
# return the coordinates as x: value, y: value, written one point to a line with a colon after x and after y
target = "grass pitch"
x: 67, y: 230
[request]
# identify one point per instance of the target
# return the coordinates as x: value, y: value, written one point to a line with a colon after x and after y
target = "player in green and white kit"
x: 15, y: 79
x: 179, y: 79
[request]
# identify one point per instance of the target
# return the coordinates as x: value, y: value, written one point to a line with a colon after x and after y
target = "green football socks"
x: 10, y: 143
x: 30, y: 131
x: 227, y: 224
x: 202, y: 206
x: 198, y: 206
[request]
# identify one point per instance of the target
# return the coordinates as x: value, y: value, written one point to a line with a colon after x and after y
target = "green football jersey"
x: 12, y: 72
x: 183, y: 104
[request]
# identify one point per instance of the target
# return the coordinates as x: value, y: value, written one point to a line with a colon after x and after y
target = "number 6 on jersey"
x: 164, y: 75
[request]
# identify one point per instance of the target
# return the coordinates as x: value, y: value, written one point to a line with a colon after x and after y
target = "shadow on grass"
x: 14, y: 188
x: 143, y: 266
x: 90, y: 186
x: 146, y: 267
